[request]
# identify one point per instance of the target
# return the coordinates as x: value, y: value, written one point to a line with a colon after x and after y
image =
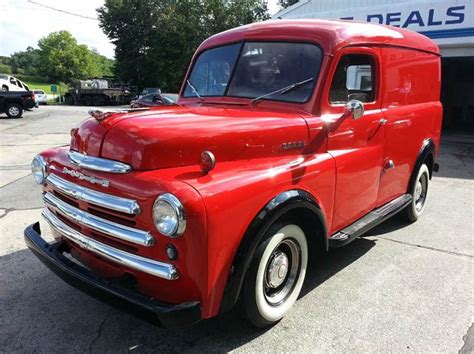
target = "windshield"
x: 256, y: 70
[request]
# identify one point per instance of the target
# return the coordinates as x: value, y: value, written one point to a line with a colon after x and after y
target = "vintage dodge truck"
x: 289, y: 138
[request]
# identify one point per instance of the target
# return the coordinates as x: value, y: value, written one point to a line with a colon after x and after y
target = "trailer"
x: 99, y: 92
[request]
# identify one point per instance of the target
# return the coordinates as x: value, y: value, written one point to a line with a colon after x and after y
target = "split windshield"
x: 256, y: 70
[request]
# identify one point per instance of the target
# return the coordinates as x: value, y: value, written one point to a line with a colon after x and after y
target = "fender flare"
x: 273, y: 210
x: 427, y: 148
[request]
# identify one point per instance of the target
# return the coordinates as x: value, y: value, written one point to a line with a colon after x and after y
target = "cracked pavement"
x: 401, y: 287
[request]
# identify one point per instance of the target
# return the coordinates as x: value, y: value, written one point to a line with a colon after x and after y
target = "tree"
x: 61, y: 58
x: 287, y: 3
x: 155, y: 39
x: 25, y: 62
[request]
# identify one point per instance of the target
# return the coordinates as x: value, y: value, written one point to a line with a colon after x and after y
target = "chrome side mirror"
x: 355, y: 108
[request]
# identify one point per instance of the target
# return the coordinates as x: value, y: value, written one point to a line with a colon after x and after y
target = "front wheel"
x: 14, y: 110
x: 5, y: 88
x: 419, y: 192
x: 276, y: 274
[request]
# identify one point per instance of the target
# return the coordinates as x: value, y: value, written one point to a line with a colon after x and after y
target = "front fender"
x: 280, y: 205
x: 236, y: 192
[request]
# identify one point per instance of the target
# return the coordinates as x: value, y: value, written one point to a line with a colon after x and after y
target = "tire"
x: 14, y: 110
x: 268, y: 296
x: 419, y: 192
x: 5, y: 88
x: 97, y: 100
x: 88, y: 101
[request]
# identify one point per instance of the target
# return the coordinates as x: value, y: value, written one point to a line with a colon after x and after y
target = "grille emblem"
x: 83, y: 177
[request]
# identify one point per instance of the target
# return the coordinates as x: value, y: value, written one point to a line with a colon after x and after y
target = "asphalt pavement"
x: 402, y: 287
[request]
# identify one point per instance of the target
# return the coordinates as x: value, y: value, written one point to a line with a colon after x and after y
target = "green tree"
x: 286, y: 3
x: 25, y: 62
x: 62, y: 58
x: 155, y: 39
x: 101, y: 66
x: 5, y: 69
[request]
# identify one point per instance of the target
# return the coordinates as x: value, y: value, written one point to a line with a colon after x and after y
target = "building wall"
x: 449, y: 23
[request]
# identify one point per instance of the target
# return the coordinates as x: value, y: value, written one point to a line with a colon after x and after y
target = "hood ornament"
x: 98, y: 114
x: 101, y: 115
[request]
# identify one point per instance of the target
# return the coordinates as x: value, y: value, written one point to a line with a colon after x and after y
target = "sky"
x: 23, y: 23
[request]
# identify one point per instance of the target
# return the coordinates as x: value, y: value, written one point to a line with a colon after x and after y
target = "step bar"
x: 369, y: 221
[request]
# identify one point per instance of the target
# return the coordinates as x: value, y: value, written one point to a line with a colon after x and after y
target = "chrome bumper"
x: 156, y: 268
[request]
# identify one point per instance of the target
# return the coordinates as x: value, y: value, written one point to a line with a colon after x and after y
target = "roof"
x: 330, y: 34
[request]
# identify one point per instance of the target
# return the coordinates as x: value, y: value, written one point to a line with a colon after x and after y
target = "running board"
x: 369, y: 221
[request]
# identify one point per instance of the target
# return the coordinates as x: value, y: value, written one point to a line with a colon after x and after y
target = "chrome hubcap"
x: 419, y: 194
x: 13, y: 111
x: 277, y: 270
x: 282, y: 272
x: 418, y: 190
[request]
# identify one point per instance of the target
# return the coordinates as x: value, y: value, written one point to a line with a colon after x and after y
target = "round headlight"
x: 168, y: 215
x: 39, y: 169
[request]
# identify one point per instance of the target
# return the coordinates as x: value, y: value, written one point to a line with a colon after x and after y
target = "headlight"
x: 169, y: 216
x: 39, y: 169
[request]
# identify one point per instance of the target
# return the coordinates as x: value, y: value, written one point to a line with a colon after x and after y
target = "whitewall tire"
x: 276, y: 275
x: 419, y: 193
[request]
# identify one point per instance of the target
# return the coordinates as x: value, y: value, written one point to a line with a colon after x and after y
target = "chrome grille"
x: 107, y: 201
x: 64, y: 201
x: 100, y: 223
x: 104, y: 226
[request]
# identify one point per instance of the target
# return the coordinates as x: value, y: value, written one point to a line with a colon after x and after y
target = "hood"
x: 176, y: 136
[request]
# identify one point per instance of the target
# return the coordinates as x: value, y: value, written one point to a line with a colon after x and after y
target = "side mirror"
x: 355, y: 108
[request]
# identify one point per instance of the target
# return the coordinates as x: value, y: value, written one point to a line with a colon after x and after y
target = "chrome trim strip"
x: 107, y: 227
x: 149, y: 266
x: 98, y: 163
x: 128, y: 206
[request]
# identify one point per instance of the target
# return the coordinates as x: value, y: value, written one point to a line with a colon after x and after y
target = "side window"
x: 353, y: 80
x: 13, y: 81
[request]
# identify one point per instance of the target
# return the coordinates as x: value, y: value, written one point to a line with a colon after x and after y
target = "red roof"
x: 331, y: 35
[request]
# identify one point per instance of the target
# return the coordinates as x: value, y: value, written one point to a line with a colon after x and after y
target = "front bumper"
x: 113, y: 291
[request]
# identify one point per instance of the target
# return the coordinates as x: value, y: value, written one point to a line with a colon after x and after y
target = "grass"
x: 32, y: 85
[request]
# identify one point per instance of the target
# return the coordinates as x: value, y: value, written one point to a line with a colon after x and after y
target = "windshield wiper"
x: 284, y: 90
x: 194, y: 89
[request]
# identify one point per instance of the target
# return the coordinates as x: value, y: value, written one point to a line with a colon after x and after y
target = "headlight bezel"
x: 177, y: 207
x: 39, y: 164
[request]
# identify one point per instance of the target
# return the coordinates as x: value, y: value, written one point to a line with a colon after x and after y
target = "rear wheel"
x: 419, y: 192
x: 14, y: 110
x: 98, y: 100
x: 88, y: 100
x: 276, y: 274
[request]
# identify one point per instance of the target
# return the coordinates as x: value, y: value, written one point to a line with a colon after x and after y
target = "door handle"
x: 389, y: 164
x: 383, y: 121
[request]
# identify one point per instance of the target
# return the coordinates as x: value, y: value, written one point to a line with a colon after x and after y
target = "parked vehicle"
x: 10, y: 83
x: 153, y: 100
x: 99, y: 92
x: 148, y: 91
x: 290, y: 138
x: 41, y: 97
x: 14, y: 103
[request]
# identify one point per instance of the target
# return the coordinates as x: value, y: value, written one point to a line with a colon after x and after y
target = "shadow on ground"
x: 44, y: 312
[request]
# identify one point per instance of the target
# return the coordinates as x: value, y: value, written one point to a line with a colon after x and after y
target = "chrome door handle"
x: 383, y: 121
x: 389, y: 164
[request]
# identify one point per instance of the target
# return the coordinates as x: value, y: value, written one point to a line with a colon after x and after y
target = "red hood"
x: 176, y: 136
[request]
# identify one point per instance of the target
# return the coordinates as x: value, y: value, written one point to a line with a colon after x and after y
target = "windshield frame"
x: 231, y: 76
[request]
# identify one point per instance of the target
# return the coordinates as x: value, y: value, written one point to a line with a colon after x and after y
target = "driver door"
x: 355, y: 144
